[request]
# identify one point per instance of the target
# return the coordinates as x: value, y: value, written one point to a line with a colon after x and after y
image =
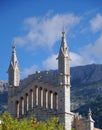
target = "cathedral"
x: 46, y: 93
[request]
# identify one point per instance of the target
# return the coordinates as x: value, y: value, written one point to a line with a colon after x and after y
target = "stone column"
x: 22, y: 105
x: 36, y: 98
x: 51, y: 100
x: 46, y: 98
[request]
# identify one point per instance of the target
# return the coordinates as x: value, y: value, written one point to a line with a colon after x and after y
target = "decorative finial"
x: 90, y: 113
x: 14, y: 46
x: 63, y: 31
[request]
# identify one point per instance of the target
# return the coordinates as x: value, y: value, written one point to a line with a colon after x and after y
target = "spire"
x: 64, y: 63
x: 63, y: 56
x: 13, y: 70
x: 64, y: 47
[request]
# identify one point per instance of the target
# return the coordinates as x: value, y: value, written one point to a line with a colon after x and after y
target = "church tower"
x: 64, y: 83
x: 13, y: 70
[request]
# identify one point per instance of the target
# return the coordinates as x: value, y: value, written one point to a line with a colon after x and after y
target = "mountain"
x: 85, y: 75
x: 3, y: 95
x: 3, y: 86
x: 86, y: 91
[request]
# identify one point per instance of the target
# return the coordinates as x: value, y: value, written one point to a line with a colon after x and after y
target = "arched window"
x: 27, y: 102
x: 55, y: 101
x: 40, y: 97
x: 31, y: 98
x: 17, y: 109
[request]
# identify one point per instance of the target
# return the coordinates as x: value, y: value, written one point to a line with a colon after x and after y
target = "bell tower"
x: 13, y: 70
x: 64, y: 84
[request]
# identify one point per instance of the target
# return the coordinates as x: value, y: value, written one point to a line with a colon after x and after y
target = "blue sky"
x: 36, y: 28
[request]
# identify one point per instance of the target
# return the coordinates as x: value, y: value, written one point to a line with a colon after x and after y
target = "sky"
x: 36, y: 29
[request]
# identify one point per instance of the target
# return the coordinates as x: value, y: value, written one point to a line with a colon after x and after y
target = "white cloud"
x: 51, y: 62
x: 93, y: 51
x: 96, y: 23
x: 76, y: 60
x: 28, y: 71
x: 79, y: 59
x: 20, y: 41
x: 88, y: 54
x: 45, y: 31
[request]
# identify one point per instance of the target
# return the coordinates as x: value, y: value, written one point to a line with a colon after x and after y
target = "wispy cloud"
x: 29, y: 70
x: 93, y: 51
x: 51, y: 62
x: 76, y: 60
x: 96, y: 23
x: 45, y: 31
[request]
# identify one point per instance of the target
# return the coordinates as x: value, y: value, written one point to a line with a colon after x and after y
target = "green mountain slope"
x: 86, y: 91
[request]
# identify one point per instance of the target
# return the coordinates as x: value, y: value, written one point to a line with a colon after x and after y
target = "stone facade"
x: 81, y: 123
x: 45, y: 93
